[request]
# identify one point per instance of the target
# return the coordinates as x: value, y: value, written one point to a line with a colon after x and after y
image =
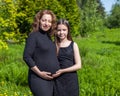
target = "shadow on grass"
x: 112, y: 42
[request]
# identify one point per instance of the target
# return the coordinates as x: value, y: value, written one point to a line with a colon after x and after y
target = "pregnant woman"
x: 40, y: 54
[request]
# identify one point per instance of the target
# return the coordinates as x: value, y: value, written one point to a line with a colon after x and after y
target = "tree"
x: 71, y: 12
x: 92, y: 14
x: 7, y: 16
x: 113, y: 20
x: 62, y: 8
x: 101, y: 9
x: 17, y: 15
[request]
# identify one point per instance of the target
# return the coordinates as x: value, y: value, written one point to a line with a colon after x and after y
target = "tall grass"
x: 99, y: 75
x: 13, y: 72
x: 100, y: 71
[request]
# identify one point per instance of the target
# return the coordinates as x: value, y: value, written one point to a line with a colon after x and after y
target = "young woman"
x: 40, y: 54
x: 69, y: 58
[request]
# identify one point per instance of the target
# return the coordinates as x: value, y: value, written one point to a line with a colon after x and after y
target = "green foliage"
x: 113, y: 20
x: 13, y: 72
x: 12, y: 65
x: 72, y: 14
x: 10, y: 89
x: 9, y: 29
x: 99, y: 75
x: 26, y: 11
x: 91, y: 18
x: 8, y: 16
x: 13, y: 38
x: 63, y: 9
x: 17, y: 16
x: 3, y: 45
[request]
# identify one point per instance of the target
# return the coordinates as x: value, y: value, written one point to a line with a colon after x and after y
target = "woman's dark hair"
x: 38, y: 16
x: 66, y: 23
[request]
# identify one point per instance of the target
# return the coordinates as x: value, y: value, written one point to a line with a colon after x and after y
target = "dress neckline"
x: 66, y: 46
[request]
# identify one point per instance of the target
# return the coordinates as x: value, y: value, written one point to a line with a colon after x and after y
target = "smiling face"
x: 62, y: 31
x: 46, y: 22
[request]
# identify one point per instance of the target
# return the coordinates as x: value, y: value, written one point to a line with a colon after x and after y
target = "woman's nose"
x: 61, y: 31
x: 46, y: 22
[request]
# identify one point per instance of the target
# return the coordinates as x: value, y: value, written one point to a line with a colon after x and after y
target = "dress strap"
x: 72, y: 44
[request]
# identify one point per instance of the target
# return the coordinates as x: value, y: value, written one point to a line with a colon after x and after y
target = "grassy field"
x: 99, y: 75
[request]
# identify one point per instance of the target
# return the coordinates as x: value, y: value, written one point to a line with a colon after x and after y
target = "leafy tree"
x: 92, y: 14
x: 71, y: 12
x: 17, y: 15
x: 63, y: 9
x: 101, y: 9
x: 26, y: 11
x: 8, y: 16
x: 8, y: 25
x: 113, y: 20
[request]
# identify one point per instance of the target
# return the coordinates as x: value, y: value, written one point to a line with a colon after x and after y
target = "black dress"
x: 66, y: 84
x: 40, y: 51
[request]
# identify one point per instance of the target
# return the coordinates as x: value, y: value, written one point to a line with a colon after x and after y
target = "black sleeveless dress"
x: 67, y: 84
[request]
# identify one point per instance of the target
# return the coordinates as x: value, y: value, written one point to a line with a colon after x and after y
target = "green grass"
x: 13, y: 72
x: 99, y: 75
x: 100, y: 71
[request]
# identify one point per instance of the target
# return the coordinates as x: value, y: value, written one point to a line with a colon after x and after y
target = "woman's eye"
x: 43, y: 20
x: 50, y: 21
x: 58, y: 29
x: 64, y: 29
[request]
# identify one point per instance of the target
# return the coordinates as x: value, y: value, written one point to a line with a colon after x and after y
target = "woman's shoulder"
x: 74, y: 43
x: 33, y: 34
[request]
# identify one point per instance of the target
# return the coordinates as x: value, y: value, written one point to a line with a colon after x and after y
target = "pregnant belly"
x: 49, y: 67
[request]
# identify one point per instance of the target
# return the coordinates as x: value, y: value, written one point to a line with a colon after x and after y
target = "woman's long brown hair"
x: 38, y: 16
x: 69, y: 37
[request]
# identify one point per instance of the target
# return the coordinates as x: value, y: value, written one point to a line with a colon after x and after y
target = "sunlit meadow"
x: 99, y: 75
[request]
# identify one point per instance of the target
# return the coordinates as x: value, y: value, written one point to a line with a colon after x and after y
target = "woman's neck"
x: 63, y: 40
x: 64, y: 43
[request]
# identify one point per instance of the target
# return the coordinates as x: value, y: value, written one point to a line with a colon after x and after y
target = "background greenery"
x: 99, y: 75
x: 96, y: 32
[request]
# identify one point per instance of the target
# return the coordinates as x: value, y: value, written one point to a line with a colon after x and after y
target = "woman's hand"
x: 42, y: 74
x: 58, y: 73
x: 46, y: 75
